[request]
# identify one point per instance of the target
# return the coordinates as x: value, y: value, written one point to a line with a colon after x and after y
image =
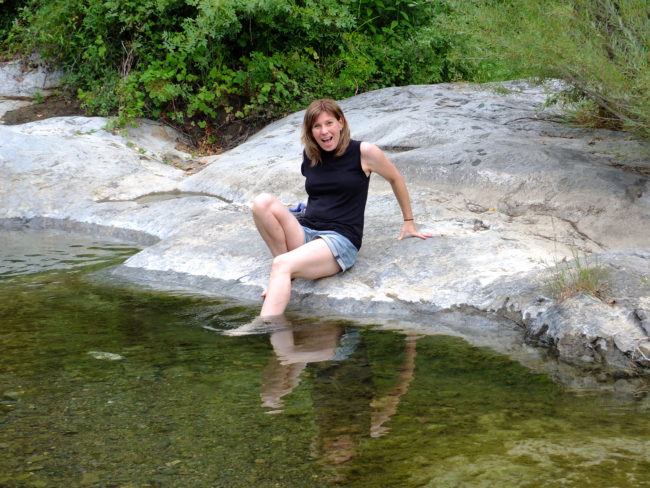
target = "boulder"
x: 506, y: 189
x: 27, y: 79
x: 22, y: 82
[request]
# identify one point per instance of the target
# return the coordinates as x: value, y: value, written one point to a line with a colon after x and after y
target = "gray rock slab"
x: 505, y: 189
x: 70, y: 168
x: 21, y: 82
x: 27, y: 79
x: 156, y: 140
x: 583, y: 330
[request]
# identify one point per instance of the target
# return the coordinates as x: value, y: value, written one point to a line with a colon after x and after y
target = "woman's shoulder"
x: 369, y: 149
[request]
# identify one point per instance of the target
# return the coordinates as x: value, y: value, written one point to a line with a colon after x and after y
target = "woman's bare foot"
x: 259, y: 325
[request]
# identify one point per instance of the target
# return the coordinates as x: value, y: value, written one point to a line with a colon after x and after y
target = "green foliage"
x: 207, y: 62
x: 219, y: 60
x: 600, y: 47
x: 9, y: 14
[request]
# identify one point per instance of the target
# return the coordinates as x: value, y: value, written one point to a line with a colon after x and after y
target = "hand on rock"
x: 409, y: 230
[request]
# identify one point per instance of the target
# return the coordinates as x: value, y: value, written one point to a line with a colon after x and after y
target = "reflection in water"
x: 345, y: 407
x: 294, y: 348
x: 385, y: 407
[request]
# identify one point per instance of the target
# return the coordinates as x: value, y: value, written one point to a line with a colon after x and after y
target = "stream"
x: 122, y: 386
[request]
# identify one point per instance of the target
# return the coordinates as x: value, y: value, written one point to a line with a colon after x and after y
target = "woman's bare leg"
x: 278, y: 227
x: 309, y: 261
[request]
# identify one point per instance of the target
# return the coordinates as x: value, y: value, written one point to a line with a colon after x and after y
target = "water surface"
x: 115, y: 387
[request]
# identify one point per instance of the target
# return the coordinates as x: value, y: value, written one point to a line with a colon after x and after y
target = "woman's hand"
x: 409, y: 230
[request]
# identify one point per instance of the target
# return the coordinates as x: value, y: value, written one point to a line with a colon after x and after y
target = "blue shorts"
x: 343, y: 250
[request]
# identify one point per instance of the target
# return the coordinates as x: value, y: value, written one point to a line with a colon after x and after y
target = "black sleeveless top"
x: 338, y: 190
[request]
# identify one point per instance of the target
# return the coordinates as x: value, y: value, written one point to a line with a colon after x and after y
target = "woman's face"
x: 327, y: 131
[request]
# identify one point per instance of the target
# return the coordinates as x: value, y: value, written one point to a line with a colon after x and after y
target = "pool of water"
x: 107, y: 386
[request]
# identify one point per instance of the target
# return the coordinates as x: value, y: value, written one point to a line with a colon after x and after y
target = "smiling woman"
x: 328, y: 237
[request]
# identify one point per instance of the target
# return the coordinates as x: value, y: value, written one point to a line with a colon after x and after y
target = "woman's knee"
x: 263, y: 203
x: 281, y: 264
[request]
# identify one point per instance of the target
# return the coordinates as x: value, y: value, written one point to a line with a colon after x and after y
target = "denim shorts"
x: 343, y: 250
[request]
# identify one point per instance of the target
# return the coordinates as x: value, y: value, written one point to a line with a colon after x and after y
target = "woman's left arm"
x: 374, y: 160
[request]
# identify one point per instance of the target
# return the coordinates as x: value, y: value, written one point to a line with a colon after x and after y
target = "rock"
x: 157, y: 140
x: 506, y: 192
x: 644, y: 319
x: 12, y: 395
x: 27, y: 79
x: 21, y: 82
x: 106, y: 356
x: 583, y: 330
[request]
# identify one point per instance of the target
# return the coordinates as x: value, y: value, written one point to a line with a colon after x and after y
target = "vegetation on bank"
x: 207, y: 63
x: 601, y: 48
x: 581, y: 275
x: 211, y: 62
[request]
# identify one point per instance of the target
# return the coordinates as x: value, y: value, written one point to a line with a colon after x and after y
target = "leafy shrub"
x: 208, y: 62
x: 9, y: 14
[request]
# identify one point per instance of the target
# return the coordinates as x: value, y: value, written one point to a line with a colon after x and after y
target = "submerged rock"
x: 12, y: 395
x: 105, y: 356
x: 506, y: 190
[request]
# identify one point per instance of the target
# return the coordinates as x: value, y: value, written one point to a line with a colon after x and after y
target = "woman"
x: 337, y: 173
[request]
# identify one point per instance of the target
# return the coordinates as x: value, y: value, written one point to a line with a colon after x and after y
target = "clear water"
x: 112, y: 387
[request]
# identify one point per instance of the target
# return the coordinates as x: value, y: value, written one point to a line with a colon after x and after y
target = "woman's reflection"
x: 346, y: 408
x: 294, y: 348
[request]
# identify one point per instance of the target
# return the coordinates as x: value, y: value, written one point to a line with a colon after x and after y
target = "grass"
x: 602, y: 56
x: 579, y: 276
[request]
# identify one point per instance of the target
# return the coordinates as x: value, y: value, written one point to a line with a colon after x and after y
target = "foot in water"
x: 259, y: 325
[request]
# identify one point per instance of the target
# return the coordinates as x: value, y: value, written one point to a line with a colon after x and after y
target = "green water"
x: 104, y: 386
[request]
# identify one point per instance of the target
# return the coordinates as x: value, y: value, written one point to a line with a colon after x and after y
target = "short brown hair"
x: 315, y: 108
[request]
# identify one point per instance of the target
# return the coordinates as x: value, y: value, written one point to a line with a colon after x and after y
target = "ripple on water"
x: 27, y: 251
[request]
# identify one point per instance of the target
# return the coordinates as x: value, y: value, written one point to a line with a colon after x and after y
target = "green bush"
x: 9, y: 14
x: 209, y: 62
